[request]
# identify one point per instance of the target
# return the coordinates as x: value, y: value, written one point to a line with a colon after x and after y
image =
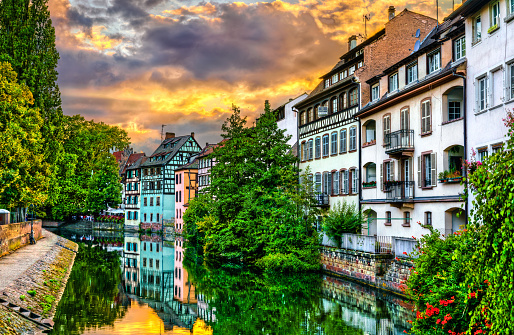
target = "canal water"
x: 141, y: 284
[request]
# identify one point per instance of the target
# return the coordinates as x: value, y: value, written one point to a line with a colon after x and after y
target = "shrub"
x: 344, y: 218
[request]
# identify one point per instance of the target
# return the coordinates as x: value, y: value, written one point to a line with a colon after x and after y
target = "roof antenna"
x: 162, y: 130
x: 365, y: 18
x: 437, y: 11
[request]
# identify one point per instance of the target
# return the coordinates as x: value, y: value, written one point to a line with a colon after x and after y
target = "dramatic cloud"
x: 141, y: 64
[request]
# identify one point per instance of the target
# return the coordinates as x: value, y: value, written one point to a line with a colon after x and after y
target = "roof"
x: 169, y: 146
x: 468, y: 8
x: 118, y: 155
x: 209, y: 148
x: 134, y: 161
x: 290, y: 100
x: 189, y: 166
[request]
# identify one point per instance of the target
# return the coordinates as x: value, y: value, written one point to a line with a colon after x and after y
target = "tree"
x: 23, y: 177
x: 259, y: 213
x: 344, y: 218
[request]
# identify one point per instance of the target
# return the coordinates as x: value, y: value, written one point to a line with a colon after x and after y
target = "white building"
x: 490, y: 73
x: 287, y: 118
x: 413, y: 135
x: 131, y: 175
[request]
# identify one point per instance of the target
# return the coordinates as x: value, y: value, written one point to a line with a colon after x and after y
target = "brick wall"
x: 154, y: 226
x: 379, y: 270
x: 16, y: 235
x: 397, y: 43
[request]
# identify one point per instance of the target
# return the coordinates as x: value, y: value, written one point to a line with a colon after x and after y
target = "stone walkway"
x: 14, y: 265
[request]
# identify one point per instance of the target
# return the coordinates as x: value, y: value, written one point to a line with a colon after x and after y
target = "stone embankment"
x: 32, y: 281
x: 16, y: 235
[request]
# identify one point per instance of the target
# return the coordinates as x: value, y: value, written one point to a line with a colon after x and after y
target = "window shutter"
x: 411, y: 167
x: 382, y: 177
x: 429, y: 116
x: 489, y: 91
x: 392, y: 170
x: 329, y: 177
x: 434, y: 169
x: 357, y: 181
x: 419, y: 171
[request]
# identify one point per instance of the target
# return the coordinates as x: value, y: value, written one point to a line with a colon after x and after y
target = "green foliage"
x: 22, y: 297
x: 255, y: 211
x: 23, y: 176
x: 473, y: 268
x: 32, y: 292
x: 343, y: 218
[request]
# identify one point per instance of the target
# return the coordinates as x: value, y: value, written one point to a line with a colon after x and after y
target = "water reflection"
x: 154, y: 287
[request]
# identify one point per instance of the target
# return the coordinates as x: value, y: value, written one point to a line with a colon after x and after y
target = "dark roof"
x: 135, y: 161
x: 285, y: 103
x: 210, y: 148
x: 468, y: 8
x: 169, y: 146
x: 188, y: 166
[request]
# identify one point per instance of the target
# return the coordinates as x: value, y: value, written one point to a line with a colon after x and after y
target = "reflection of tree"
x: 91, y: 298
x: 246, y: 302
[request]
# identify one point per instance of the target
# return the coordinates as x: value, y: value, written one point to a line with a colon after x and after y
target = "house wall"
x: 289, y: 123
x: 16, y: 235
x: 439, y: 199
x: 131, y: 207
x: 490, y: 57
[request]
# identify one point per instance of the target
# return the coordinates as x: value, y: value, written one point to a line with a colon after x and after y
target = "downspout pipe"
x: 464, y: 108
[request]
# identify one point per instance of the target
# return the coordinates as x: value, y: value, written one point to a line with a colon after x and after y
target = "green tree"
x: 23, y: 177
x: 343, y: 218
x: 258, y: 212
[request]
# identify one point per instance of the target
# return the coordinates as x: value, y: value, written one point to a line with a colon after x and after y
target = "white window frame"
x: 494, y: 20
x: 477, y: 29
x: 426, y: 117
x: 510, y: 7
x: 393, y: 82
x: 386, y: 125
x: 351, y: 70
x: 333, y: 143
x: 344, y: 181
x: 342, y: 139
x: 353, y: 138
x: 335, y: 182
x: 482, y: 94
x: 460, y: 48
x: 355, y: 179
x: 334, y: 105
x: 510, y: 80
x: 327, y: 83
x: 375, y: 92
x: 335, y: 78
x: 310, y: 148
x: 317, y: 153
x: 325, y: 147
x: 317, y: 184
x: 412, y: 73
x: 434, y: 61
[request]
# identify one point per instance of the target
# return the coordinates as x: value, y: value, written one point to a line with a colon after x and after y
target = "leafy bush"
x: 344, y: 218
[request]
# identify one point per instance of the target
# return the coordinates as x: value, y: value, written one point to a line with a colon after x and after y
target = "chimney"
x: 193, y: 134
x: 169, y: 135
x: 352, y: 42
x: 390, y: 12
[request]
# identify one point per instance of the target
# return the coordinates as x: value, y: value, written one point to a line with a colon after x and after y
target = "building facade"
x: 186, y: 178
x: 329, y: 133
x: 158, y: 178
x: 287, y: 118
x: 130, y: 177
x: 413, y: 139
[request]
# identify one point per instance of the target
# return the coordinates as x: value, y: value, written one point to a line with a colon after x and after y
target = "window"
x: 310, y: 115
x: 427, y: 170
x: 144, y: 201
x: 459, y: 48
x: 482, y: 154
x: 335, y: 181
x: 157, y: 215
x: 453, y: 110
x: 342, y: 145
x: 353, y: 97
x: 334, y: 105
x: 510, y: 6
x: 496, y: 148
x: 335, y: 78
x: 327, y: 183
x: 428, y: 218
x: 310, y: 148
x: 369, y: 129
x: 375, y: 92
x: 353, y: 138
x: 387, y: 127
x: 333, y: 143
x: 477, y: 29
x: 302, y: 151
x: 317, y: 183
x: 434, y: 61
x: 412, y: 73
x: 151, y: 201
x: 144, y: 261
x: 151, y: 220
x: 325, y: 145
x: 406, y: 217
x: 158, y: 201
x: 144, y: 215
x: 393, y: 82
x: 344, y: 181
x: 317, y: 152
x: 351, y: 70
x: 327, y: 83
x: 151, y: 262
x: 482, y: 94
x: 495, y: 14
x: 388, y: 218
x: 355, y: 181
x: 344, y: 74
x: 511, y: 71
x: 344, y: 101
x: 302, y: 118
x: 426, y: 117
x: 157, y: 264
x: 371, y: 173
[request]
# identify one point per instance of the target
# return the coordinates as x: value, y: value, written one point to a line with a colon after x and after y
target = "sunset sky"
x: 143, y: 63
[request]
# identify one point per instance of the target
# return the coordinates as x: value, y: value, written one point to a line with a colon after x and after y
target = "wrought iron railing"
x: 322, y: 199
x: 399, y: 190
x: 399, y: 141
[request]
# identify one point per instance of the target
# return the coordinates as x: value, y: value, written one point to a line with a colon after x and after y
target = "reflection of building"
x: 131, y: 264
x: 416, y: 122
x: 185, y: 190
x: 156, y: 269
x: 184, y: 291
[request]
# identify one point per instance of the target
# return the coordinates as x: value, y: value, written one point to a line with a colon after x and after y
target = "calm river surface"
x: 138, y: 284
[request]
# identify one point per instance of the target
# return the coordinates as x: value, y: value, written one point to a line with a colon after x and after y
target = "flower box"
x: 369, y: 184
x: 452, y: 180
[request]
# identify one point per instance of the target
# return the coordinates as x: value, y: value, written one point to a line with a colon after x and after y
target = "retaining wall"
x: 16, y: 235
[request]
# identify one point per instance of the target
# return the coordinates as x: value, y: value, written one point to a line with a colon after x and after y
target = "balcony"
x: 400, y: 143
x: 322, y: 200
x: 399, y: 191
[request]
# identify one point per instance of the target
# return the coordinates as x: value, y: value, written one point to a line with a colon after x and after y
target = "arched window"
x: 302, y: 118
x: 344, y: 101
x: 310, y: 115
x: 334, y: 105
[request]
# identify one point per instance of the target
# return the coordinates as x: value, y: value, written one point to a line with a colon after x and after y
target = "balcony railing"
x: 399, y: 190
x: 322, y: 199
x: 398, y: 141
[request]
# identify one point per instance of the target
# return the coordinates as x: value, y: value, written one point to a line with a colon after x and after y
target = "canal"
x: 141, y: 284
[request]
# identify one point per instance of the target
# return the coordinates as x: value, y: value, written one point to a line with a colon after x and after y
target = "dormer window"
x: 344, y: 74
x: 412, y: 73
x: 434, y: 61
x: 459, y: 48
x: 327, y: 83
x: 375, y: 92
x: 393, y: 82
x: 335, y: 78
x: 351, y: 70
